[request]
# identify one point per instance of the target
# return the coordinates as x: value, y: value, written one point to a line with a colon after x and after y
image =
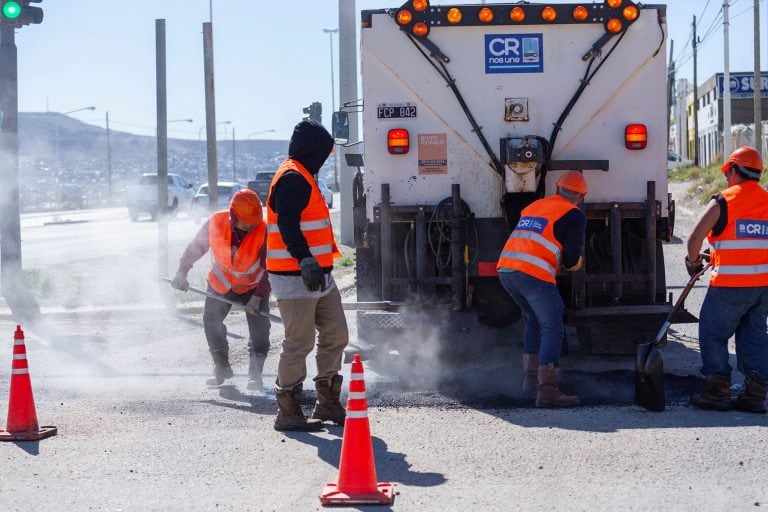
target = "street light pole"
x: 58, y: 150
x: 109, y: 162
x: 234, y: 169
x: 259, y: 133
x: 330, y: 32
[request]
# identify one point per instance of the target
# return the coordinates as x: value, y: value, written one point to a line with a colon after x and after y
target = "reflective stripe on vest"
x: 235, y: 276
x: 740, y: 252
x: 533, y: 260
x: 314, y: 223
x: 527, y: 235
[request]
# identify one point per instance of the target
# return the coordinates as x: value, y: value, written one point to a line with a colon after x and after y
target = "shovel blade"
x: 649, y: 378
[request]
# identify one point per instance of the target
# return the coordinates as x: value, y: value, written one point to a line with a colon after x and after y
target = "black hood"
x: 310, y: 145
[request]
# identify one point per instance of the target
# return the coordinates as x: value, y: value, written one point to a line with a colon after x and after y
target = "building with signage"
x: 709, y: 109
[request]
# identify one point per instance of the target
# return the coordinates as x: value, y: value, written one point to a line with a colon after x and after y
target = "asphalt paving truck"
x: 470, y: 113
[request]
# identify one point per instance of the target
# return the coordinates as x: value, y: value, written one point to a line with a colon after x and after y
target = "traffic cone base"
x: 32, y: 435
x: 385, y: 495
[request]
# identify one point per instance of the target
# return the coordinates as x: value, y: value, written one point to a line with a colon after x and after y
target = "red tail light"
x: 635, y: 136
x: 397, y: 141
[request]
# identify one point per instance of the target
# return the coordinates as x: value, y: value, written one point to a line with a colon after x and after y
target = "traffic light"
x: 17, y: 13
x: 313, y: 112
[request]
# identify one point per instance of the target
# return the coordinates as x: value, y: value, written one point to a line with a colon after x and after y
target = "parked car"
x: 200, y: 203
x: 327, y: 193
x: 674, y: 160
x: 260, y: 184
x: 143, y: 197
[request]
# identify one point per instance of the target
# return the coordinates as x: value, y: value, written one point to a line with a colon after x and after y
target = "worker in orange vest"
x: 300, y: 254
x: 236, y: 238
x: 735, y: 223
x: 548, y: 236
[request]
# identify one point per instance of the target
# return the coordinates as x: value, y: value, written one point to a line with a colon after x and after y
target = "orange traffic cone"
x: 22, y: 419
x: 357, y: 469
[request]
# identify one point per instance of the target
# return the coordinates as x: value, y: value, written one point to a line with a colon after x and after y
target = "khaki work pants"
x: 300, y: 319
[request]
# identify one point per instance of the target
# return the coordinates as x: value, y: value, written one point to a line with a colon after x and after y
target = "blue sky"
x: 271, y: 58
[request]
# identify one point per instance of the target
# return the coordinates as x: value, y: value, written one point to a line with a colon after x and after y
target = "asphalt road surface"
x: 121, y: 374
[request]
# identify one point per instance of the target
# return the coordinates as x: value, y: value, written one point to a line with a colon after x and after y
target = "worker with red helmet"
x: 549, y: 236
x: 236, y: 238
x: 735, y: 223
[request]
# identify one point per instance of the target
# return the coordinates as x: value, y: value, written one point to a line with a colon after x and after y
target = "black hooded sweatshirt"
x: 310, y: 145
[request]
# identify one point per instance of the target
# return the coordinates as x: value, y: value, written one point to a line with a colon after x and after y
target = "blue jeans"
x: 739, y: 311
x: 543, y: 308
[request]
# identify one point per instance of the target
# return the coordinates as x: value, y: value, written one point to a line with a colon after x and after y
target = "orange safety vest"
x: 314, y: 222
x: 740, y: 253
x: 241, y: 271
x: 532, y: 247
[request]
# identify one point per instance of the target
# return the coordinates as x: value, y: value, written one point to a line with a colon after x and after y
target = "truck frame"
x: 472, y: 112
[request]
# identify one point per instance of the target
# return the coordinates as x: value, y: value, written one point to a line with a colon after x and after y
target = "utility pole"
x: 210, y: 117
x: 109, y: 163
x: 14, y: 289
x: 162, y: 148
x: 347, y: 95
x: 757, y: 105
x: 695, y: 99
x: 671, y: 92
x: 727, y: 137
x: 234, y: 169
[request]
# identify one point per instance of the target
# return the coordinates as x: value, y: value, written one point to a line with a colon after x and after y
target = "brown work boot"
x: 549, y: 394
x: 717, y: 396
x: 328, y: 407
x: 255, y: 368
x: 289, y: 413
x: 221, y: 369
x: 530, y: 373
x: 752, y: 399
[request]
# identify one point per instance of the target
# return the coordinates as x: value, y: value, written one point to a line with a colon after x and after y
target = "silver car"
x: 200, y: 203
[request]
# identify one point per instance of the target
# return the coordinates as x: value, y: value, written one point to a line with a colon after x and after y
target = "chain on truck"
x: 472, y: 112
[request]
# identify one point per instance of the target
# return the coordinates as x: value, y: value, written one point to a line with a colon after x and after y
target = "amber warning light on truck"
x: 417, y: 17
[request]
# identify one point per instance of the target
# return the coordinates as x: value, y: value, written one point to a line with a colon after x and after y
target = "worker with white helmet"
x: 548, y: 236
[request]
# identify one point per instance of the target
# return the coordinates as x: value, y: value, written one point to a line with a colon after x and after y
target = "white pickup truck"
x: 142, y: 198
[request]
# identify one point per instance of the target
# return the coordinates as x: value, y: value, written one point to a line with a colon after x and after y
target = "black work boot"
x: 327, y: 406
x: 221, y: 369
x: 752, y: 399
x: 290, y: 417
x: 255, y: 367
x: 717, y: 396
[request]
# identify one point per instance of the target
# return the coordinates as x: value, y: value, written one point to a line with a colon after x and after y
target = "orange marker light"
x: 549, y: 14
x: 419, y: 5
x: 404, y: 17
x: 485, y: 15
x: 397, y: 141
x: 420, y: 29
x: 614, y: 25
x: 635, y: 136
x: 517, y: 14
x: 613, y: 4
x: 580, y: 13
x: 630, y: 13
x: 454, y: 15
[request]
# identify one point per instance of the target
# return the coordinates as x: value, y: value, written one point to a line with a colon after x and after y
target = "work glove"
x: 693, y: 267
x: 180, y: 282
x: 253, y: 305
x: 312, y: 274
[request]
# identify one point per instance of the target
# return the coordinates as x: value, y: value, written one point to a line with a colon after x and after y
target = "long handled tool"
x: 274, y: 318
x: 649, y: 366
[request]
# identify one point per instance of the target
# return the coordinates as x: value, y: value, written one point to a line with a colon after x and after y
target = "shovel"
x: 649, y: 366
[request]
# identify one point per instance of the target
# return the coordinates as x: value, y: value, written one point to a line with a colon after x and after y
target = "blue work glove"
x: 312, y: 275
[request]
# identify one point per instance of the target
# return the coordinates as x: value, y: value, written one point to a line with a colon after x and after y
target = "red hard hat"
x: 745, y: 156
x: 246, y: 206
x: 573, y: 181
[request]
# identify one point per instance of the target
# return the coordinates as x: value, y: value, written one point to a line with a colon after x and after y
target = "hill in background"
x: 63, y: 161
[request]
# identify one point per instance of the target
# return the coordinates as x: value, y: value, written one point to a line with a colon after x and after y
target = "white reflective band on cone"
x: 356, y: 376
x: 356, y: 395
x: 19, y: 356
x: 19, y: 371
x: 18, y: 342
x: 355, y: 415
